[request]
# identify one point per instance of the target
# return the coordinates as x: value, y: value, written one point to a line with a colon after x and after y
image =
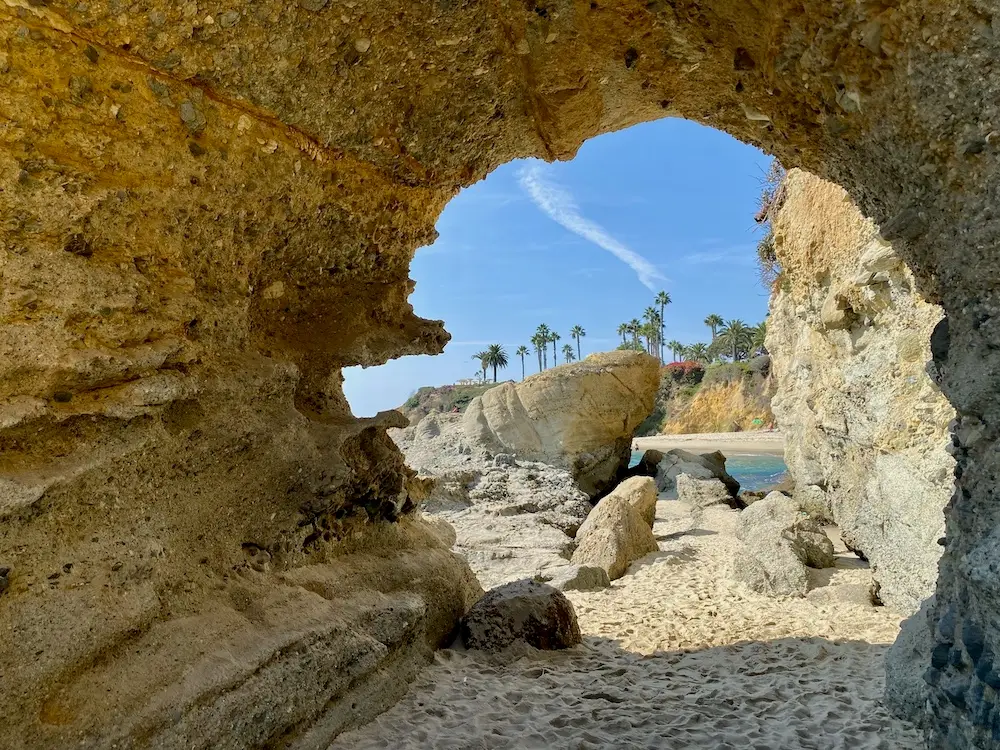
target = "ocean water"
x: 752, y: 472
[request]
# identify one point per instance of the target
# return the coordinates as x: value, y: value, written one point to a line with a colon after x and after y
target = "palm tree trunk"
x: 734, y: 351
x: 494, y: 373
x: 662, y: 333
x: 555, y: 358
x: 578, y: 348
x: 522, y: 367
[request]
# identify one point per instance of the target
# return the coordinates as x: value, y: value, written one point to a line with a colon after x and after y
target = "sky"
x: 664, y: 205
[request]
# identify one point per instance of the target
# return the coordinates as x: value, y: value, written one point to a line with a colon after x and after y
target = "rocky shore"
x: 716, y: 619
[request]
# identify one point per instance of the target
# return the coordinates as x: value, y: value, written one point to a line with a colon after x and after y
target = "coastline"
x: 759, y: 442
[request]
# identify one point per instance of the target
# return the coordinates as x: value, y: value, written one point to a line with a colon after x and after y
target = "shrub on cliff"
x: 726, y: 372
x: 690, y: 373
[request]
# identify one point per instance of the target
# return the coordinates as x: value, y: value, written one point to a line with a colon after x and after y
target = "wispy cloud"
x: 559, y: 205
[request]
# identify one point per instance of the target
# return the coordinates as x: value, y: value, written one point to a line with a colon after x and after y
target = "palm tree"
x: 714, y: 322
x: 578, y: 333
x: 652, y: 319
x: 567, y: 351
x: 675, y: 346
x: 622, y: 330
x: 522, y: 352
x: 634, y: 327
x: 662, y: 299
x: 543, y: 334
x: 481, y: 357
x: 698, y: 352
x: 540, y: 345
x: 737, y: 336
x: 554, y: 337
x: 757, y: 336
x: 496, y: 357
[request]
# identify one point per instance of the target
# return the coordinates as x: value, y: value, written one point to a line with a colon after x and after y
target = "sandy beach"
x: 730, y: 443
x: 676, y: 655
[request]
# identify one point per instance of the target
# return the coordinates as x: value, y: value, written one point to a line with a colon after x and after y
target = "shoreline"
x: 760, y: 442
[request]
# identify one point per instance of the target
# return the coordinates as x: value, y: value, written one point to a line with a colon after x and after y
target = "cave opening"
x: 208, y: 215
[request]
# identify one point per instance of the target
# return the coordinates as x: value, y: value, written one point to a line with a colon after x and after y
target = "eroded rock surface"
x: 866, y: 427
x: 209, y: 210
x: 579, y: 416
x: 513, y: 519
x: 697, y: 466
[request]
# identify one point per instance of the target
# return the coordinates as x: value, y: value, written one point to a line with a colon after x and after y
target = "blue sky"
x: 664, y: 205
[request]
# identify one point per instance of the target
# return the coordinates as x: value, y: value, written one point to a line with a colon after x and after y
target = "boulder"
x: 580, y: 578
x: 704, y: 466
x: 640, y: 493
x: 613, y: 536
x: 578, y: 416
x: 526, y: 611
x: 648, y: 464
x: 702, y: 493
x: 905, y: 664
x: 779, y: 543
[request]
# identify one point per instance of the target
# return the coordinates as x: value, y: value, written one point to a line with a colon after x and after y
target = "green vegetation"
x: 771, y: 197
x: 447, y: 398
x: 494, y: 356
x: 568, y: 355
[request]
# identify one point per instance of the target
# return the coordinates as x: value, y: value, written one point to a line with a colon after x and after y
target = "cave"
x: 209, y: 210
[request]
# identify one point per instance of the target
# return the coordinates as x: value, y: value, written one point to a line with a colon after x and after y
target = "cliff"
x: 866, y: 427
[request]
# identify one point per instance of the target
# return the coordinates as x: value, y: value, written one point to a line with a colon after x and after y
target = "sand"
x: 675, y: 656
x: 730, y: 443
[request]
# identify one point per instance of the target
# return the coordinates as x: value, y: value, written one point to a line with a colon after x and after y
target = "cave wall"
x: 208, y: 209
x: 866, y: 426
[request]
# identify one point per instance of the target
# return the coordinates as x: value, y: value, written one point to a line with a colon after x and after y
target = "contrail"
x: 559, y: 205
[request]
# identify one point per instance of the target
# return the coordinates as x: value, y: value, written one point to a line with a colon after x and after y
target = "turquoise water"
x: 752, y: 472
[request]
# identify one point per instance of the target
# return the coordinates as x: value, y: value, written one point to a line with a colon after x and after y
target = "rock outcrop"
x: 779, y: 543
x: 866, y: 426
x: 521, y: 612
x: 513, y: 519
x: 209, y: 211
x: 704, y: 466
x: 579, y: 416
x: 613, y: 537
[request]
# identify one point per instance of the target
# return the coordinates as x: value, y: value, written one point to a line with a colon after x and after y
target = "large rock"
x: 705, y: 466
x: 779, y: 543
x: 522, y: 611
x: 703, y: 493
x: 580, y: 416
x: 613, y: 537
x: 866, y: 426
x: 640, y: 493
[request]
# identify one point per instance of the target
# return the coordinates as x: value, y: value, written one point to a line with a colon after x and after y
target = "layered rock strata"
x: 865, y: 424
x: 209, y: 210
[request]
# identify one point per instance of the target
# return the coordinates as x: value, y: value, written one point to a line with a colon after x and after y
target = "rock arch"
x: 209, y: 209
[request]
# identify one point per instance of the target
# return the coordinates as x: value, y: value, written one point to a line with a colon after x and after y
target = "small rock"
x: 4, y: 63
x: 525, y: 611
x: 581, y: 578
x: 362, y: 45
x: 4, y: 579
x: 312, y: 4
x: 91, y: 54
x: 192, y: 117
x: 228, y: 19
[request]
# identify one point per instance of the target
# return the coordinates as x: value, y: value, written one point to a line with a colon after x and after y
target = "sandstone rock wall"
x: 863, y: 421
